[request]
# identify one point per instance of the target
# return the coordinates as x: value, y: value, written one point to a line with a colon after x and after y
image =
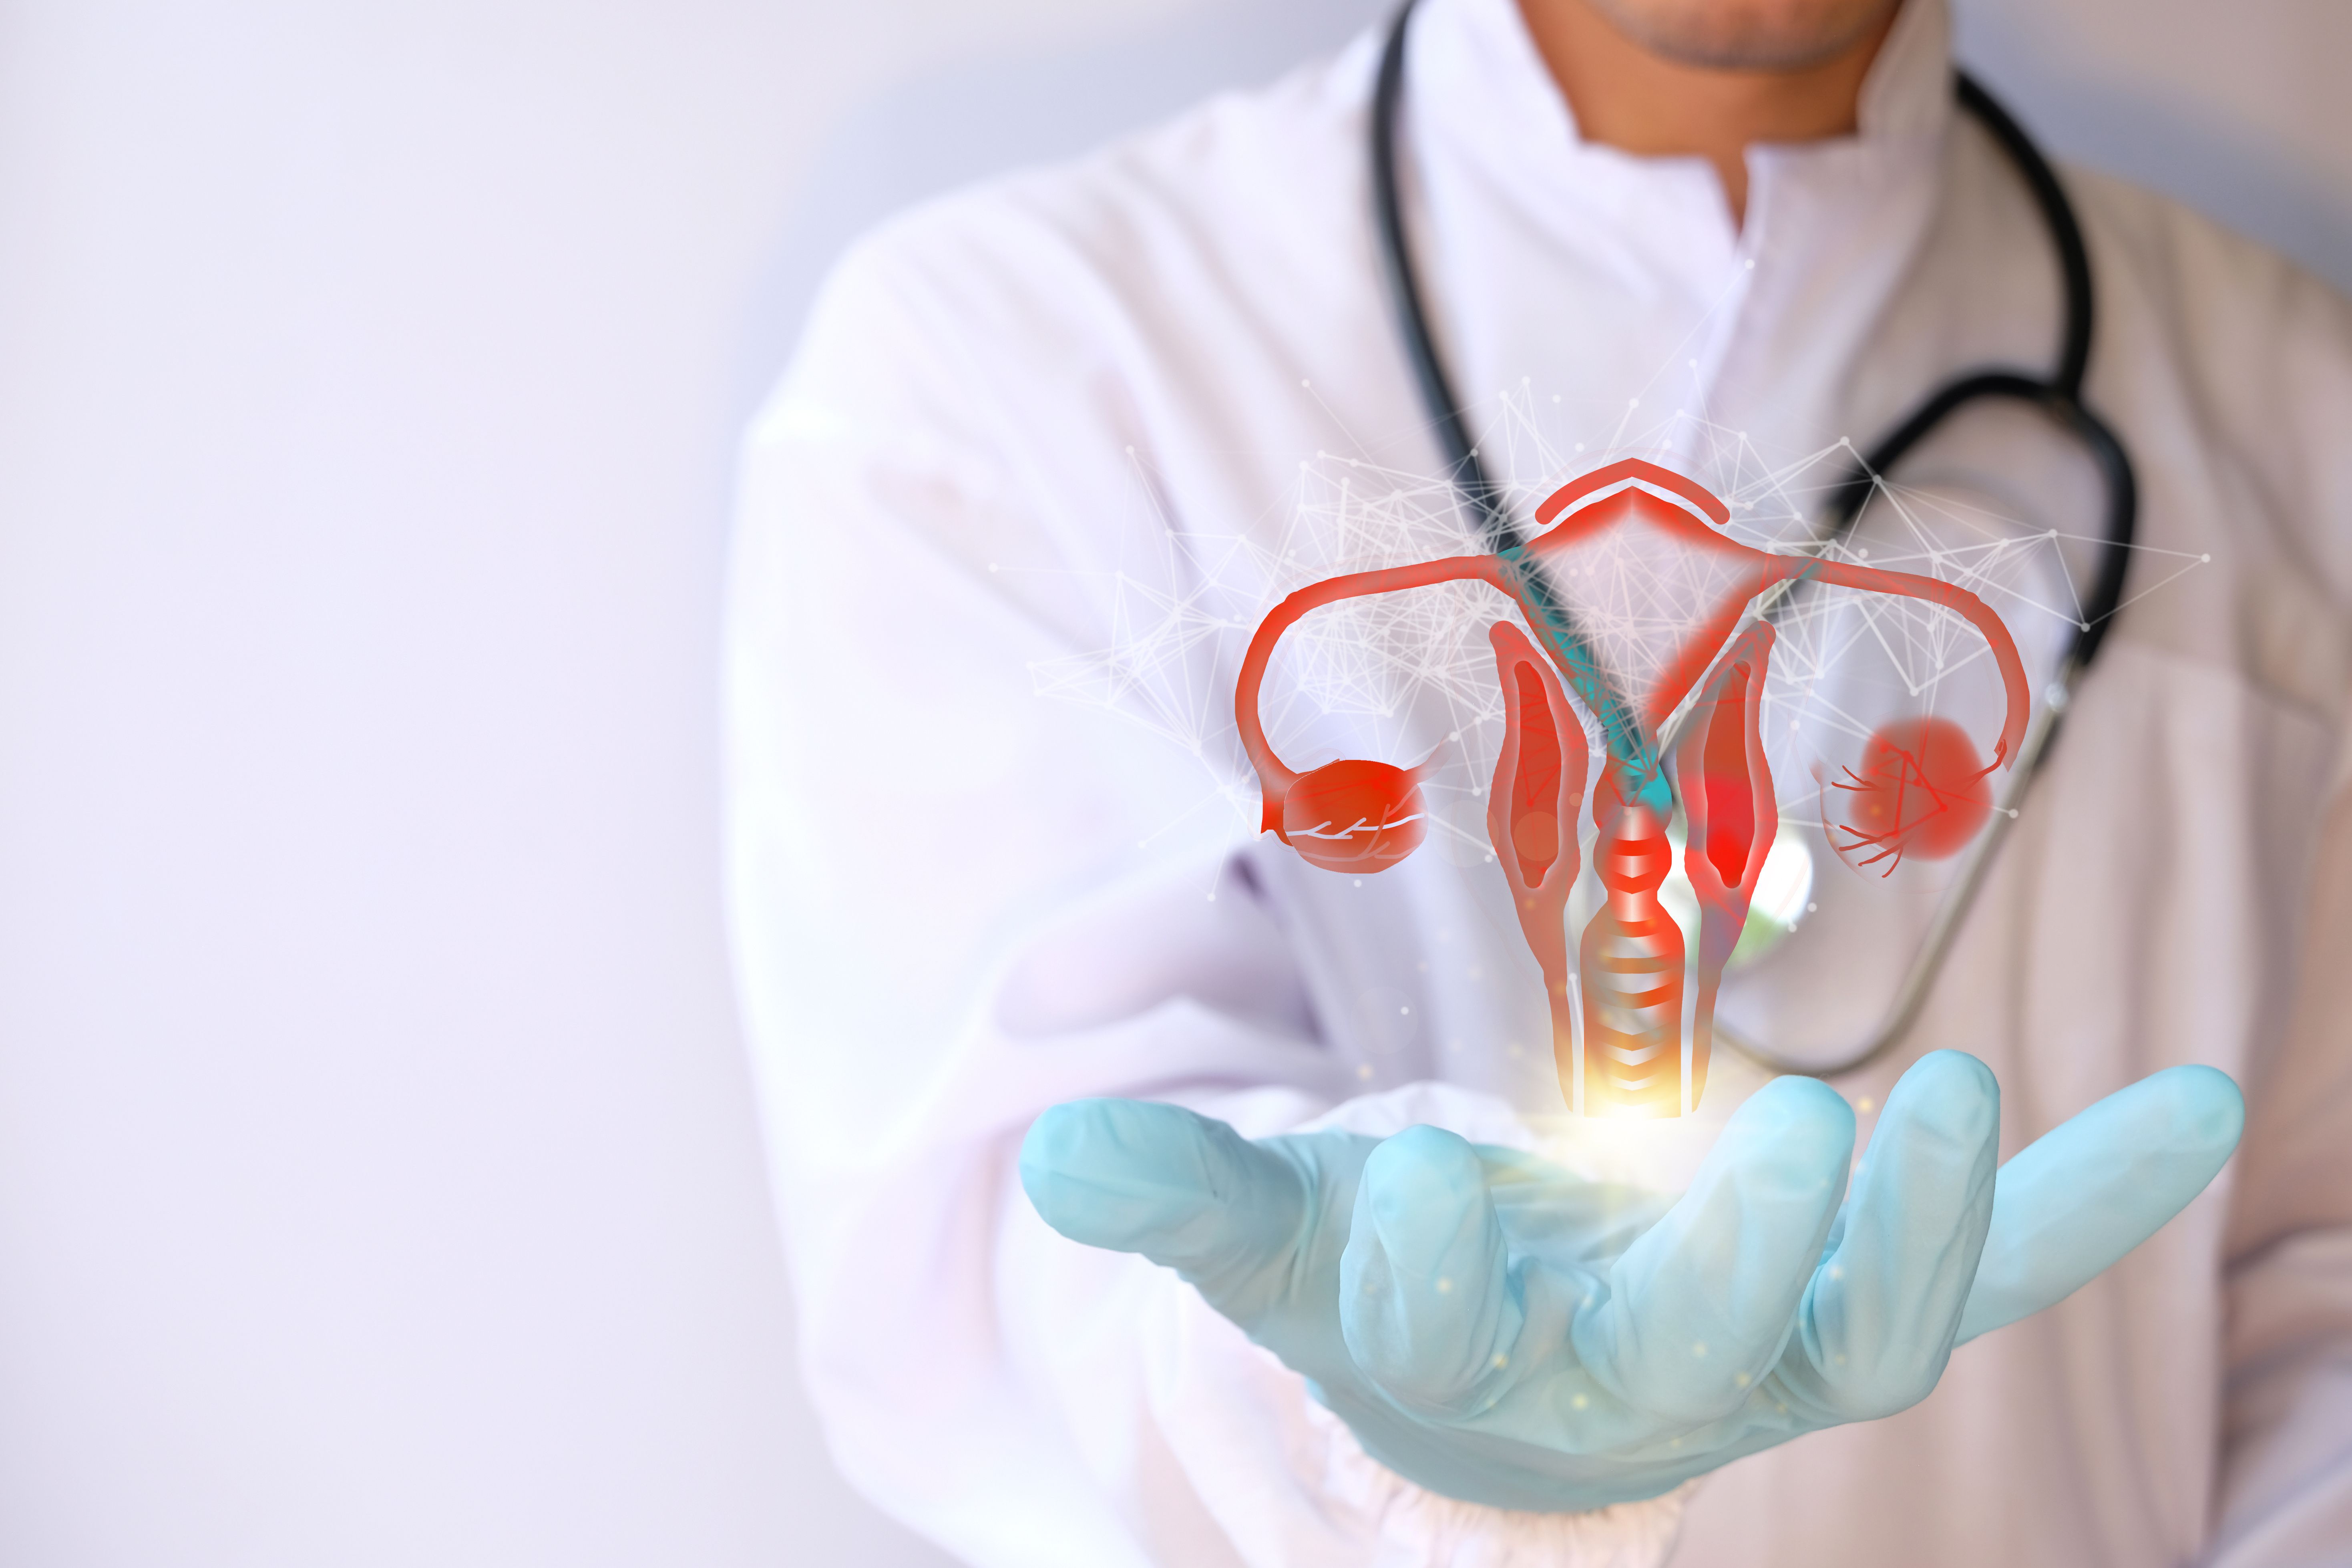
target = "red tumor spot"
x: 1354, y: 817
x: 1921, y: 791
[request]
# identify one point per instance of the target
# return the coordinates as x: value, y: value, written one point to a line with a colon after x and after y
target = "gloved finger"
x: 1877, y: 1324
x: 2079, y: 1198
x: 1703, y: 1303
x: 1425, y: 1300
x: 1182, y: 1189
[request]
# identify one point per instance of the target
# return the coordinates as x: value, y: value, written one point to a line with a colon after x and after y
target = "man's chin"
x: 1748, y: 35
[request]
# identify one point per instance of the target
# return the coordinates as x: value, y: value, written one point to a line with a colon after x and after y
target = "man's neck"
x: 1627, y: 97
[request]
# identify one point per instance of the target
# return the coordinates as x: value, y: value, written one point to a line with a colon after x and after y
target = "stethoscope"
x: 2059, y: 396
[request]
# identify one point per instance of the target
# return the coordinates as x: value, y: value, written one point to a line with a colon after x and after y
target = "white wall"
x: 2237, y: 107
x: 378, y: 1178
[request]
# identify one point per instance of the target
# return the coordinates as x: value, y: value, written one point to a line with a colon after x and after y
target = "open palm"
x: 1499, y: 1330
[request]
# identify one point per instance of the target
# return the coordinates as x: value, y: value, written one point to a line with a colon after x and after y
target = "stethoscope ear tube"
x: 2059, y: 398
x: 1463, y: 468
x: 2123, y: 524
x: 2058, y: 217
x: 2098, y: 613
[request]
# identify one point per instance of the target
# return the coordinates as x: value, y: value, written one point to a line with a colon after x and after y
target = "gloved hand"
x: 1496, y: 1329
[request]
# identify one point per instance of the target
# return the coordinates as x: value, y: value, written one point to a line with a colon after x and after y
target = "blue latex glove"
x: 1498, y: 1330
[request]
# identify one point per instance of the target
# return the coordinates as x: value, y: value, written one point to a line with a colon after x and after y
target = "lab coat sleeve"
x: 2287, y: 1484
x: 944, y: 923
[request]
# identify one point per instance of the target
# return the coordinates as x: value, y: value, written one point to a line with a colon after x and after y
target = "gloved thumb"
x: 2083, y: 1195
x: 1181, y: 1189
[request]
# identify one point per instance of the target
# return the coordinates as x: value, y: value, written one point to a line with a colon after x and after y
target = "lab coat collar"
x: 1907, y: 96
x: 1782, y: 304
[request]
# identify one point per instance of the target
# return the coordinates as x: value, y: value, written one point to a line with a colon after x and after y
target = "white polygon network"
x: 1409, y: 674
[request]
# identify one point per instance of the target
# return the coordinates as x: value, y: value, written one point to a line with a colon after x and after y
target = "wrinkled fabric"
x: 1028, y: 421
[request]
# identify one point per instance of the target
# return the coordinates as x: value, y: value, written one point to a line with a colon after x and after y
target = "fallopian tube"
x: 1359, y: 817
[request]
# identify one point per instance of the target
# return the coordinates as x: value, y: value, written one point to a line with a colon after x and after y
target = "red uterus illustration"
x: 1921, y: 791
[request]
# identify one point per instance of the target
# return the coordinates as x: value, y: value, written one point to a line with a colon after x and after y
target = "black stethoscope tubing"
x: 2058, y: 396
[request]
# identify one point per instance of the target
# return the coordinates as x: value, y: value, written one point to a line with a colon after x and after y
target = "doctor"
x: 1316, y: 1273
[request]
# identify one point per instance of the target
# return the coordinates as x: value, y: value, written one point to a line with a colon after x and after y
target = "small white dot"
x: 991, y: 566
x: 1811, y: 909
x: 1359, y: 882
x: 1404, y: 1012
x: 1445, y: 1286
x: 2205, y: 558
x: 1632, y: 403
x: 1579, y: 1402
x: 1580, y: 445
x: 1749, y: 264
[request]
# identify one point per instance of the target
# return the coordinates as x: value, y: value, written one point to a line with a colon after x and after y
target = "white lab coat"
x: 1069, y: 413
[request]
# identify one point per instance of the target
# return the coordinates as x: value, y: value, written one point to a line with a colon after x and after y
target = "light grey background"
x: 378, y: 1182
